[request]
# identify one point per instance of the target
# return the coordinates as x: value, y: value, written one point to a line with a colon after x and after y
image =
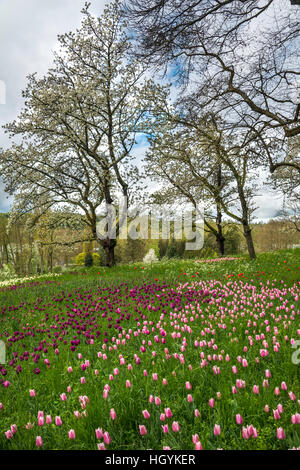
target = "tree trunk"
x: 245, y: 219
x: 29, y: 261
x: 109, y: 256
x: 249, y: 240
x: 219, y: 237
x: 221, y: 243
x: 42, y: 265
x: 6, y: 253
x: 50, y: 260
x: 109, y: 248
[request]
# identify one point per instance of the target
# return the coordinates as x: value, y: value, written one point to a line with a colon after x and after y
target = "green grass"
x: 254, y: 288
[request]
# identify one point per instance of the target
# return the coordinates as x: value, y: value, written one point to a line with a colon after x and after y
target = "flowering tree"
x: 79, y: 124
x: 201, y: 160
x: 237, y: 58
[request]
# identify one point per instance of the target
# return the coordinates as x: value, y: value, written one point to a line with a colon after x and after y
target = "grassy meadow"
x: 173, y: 355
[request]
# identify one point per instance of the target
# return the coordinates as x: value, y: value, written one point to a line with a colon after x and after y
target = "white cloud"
x: 28, y: 36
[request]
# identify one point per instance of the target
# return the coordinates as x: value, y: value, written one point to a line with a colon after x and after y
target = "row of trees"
x: 25, y: 249
x: 232, y: 110
x: 36, y: 243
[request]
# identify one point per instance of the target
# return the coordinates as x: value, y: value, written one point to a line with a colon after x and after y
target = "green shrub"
x: 208, y: 253
x: 57, y: 269
x: 7, y: 272
x: 88, y: 260
x: 172, y: 250
x: 96, y: 259
x: 80, y: 259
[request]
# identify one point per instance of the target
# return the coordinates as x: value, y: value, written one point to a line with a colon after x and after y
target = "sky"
x: 28, y: 37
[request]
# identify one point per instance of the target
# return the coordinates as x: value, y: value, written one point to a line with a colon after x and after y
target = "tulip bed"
x: 177, y: 355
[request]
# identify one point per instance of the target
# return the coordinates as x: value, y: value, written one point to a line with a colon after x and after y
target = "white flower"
x: 150, y: 257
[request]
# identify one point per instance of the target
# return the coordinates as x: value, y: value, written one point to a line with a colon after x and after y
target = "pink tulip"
x: 276, y: 414
x: 151, y: 399
x: 146, y: 414
x: 39, y: 441
x: 143, y: 430
x: 295, y: 418
x: 72, y: 434
x: 283, y: 386
x: 157, y: 401
x: 41, y: 421
x: 9, y: 434
x: 58, y: 421
x: 217, y: 430
x: 211, y: 402
x: 280, y: 408
x: 175, y: 426
x: 292, y: 396
x: 280, y: 433
x: 13, y: 428
x: 99, y: 433
x: 106, y: 438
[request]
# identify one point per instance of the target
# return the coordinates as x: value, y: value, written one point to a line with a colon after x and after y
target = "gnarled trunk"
x: 219, y: 236
x: 249, y: 240
x: 109, y: 248
x: 220, y: 244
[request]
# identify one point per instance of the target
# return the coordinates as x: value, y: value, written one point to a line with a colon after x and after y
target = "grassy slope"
x: 282, y: 269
